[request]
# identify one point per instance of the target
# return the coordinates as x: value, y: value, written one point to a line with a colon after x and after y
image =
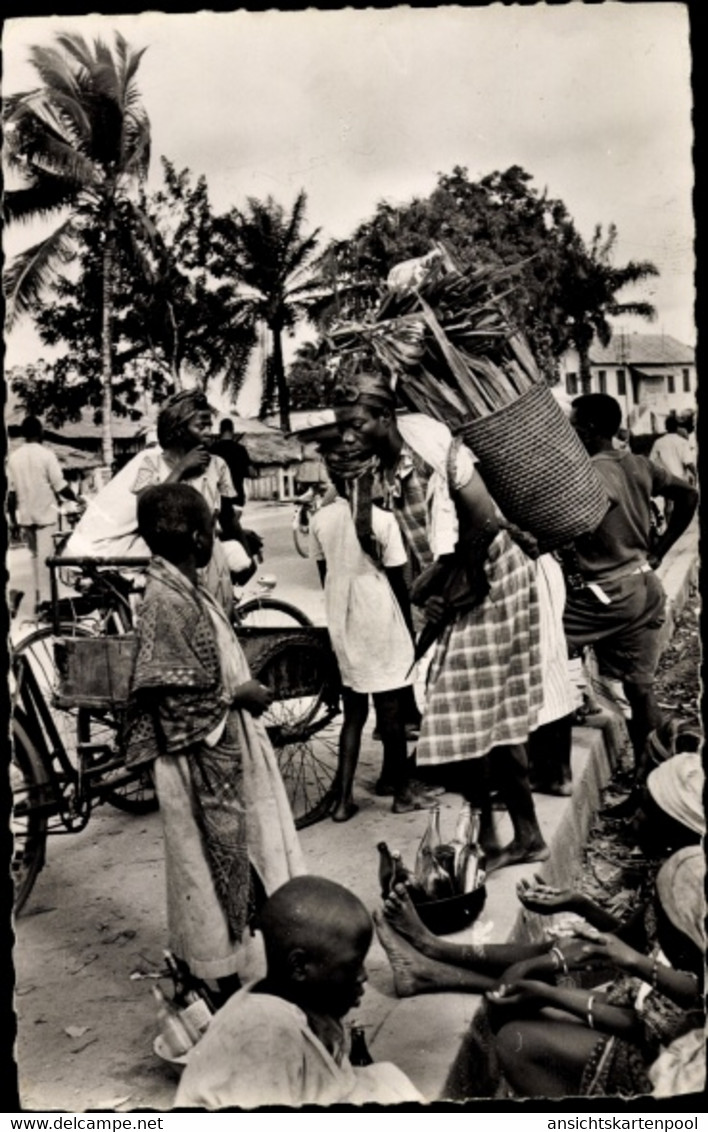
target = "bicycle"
x: 71, y: 688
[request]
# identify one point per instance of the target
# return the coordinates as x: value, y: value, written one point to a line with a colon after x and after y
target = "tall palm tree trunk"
x: 280, y: 381
x: 107, y: 345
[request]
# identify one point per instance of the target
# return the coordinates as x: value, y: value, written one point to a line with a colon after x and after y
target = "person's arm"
x: 545, y: 900
x: 397, y: 582
x: 685, y: 500
x: 589, y: 1007
x: 610, y: 951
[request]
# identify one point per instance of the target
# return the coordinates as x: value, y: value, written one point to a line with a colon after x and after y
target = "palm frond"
x: 34, y: 270
x: 42, y: 198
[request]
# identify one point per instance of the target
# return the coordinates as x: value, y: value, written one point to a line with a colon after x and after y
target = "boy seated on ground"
x: 280, y: 1041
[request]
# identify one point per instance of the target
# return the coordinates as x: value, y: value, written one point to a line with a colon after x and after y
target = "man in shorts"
x: 619, y: 609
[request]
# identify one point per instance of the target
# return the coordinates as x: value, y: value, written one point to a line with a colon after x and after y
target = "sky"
x: 594, y: 101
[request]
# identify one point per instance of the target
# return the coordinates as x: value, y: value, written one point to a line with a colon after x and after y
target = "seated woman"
x: 109, y: 527
x: 605, y: 1041
x: 228, y: 829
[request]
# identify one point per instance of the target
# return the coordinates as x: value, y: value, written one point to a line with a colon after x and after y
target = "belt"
x: 600, y: 594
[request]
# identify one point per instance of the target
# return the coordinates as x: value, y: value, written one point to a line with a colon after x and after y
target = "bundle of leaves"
x: 445, y: 337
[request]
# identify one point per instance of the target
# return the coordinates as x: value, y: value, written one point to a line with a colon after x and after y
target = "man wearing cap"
x: 484, y: 686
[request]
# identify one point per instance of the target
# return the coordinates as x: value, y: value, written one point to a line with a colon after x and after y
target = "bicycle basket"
x: 93, y: 672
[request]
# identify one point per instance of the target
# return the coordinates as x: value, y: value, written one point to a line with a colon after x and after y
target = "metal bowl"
x: 444, y: 917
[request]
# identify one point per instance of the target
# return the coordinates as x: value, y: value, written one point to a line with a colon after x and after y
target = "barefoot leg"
x: 414, y: 973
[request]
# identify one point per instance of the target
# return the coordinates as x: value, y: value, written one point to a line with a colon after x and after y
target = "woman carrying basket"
x: 485, y: 680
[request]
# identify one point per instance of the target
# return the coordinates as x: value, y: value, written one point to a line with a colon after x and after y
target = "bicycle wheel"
x: 38, y: 650
x: 28, y: 778
x: 135, y: 797
x: 270, y: 613
x: 300, y: 727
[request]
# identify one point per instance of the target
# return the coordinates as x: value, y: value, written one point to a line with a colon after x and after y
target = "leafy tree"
x: 79, y: 142
x: 502, y: 220
x: 170, y: 315
x: 309, y: 379
x: 592, y: 286
x: 188, y: 319
x: 269, y: 260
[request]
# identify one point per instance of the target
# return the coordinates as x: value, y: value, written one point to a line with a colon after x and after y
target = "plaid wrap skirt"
x: 485, y: 684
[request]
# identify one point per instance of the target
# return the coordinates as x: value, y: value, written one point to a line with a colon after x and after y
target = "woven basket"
x: 537, y: 470
x: 94, y: 672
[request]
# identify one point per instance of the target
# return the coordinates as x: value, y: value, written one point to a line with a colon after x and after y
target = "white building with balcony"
x: 651, y: 375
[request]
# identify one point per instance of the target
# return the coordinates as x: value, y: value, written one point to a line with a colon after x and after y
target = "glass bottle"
x: 460, y: 844
x: 386, y: 869
x: 430, y: 841
x: 358, y: 1050
x: 177, y: 1036
x: 474, y: 867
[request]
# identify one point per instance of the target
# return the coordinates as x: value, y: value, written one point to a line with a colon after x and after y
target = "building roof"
x: 71, y: 459
x: 642, y: 350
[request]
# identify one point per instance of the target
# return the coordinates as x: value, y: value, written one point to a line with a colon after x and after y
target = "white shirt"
x: 673, y: 452
x: 35, y: 475
x: 369, y: 636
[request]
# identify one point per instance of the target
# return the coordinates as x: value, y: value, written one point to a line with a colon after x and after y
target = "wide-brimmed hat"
x: 680, y: 886
x: 677, y: 788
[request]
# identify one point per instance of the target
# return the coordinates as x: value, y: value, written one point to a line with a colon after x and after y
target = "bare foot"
x: 344, y: 810
x: 403, y: 918
x: 517, y: 854
x: 415, y: 973
x: 409, y: 800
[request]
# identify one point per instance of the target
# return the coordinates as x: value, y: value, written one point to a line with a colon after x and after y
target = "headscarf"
x: 680, y: 886
x: 677, y: 788
x: 364, y: 389
x: 355, y: 473
x: 176, y: 414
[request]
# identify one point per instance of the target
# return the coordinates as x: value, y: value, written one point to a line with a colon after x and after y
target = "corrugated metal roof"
x: 642, y: 349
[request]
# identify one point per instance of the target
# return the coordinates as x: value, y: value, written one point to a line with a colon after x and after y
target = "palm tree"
x: 263, y: 250
x: 591, y: 295
x: 79, y: 142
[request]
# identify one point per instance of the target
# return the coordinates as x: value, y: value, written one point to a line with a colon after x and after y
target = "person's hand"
x: 603, y: 949
x: 435, y: 610
x: 534, y: 968
x: 524, y: 994
x: 540, y: 897
x: 194, y: 461
x: 524, y: 540
x: 254, y: 697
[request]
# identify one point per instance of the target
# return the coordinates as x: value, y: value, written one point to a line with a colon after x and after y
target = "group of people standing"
x: 416, y: 560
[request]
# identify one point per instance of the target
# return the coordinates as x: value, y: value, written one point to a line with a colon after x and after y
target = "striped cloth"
x: 406, y: 496
x: 485, y: 683
x: 559, y: 695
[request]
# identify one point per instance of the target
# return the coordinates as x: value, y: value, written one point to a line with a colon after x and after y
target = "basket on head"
x: 537, y: 470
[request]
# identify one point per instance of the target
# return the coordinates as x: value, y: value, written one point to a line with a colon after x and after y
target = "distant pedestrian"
x: 235, y: 455
x: 35, y: 482
x: 673, y: 452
